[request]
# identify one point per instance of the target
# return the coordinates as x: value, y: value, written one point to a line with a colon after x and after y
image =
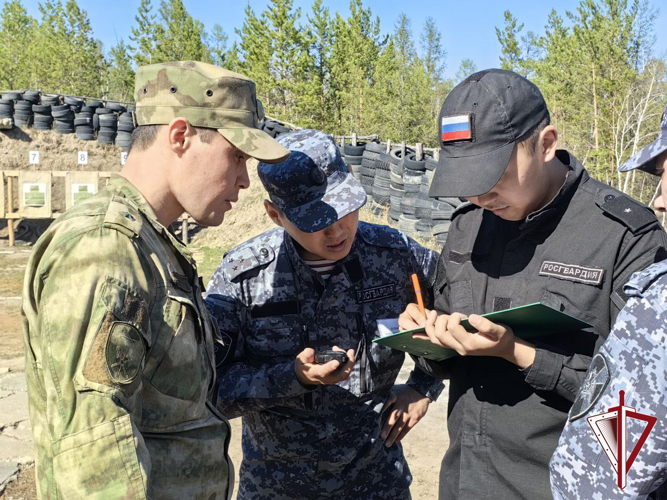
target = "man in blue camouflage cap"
x: 320, y: 281
x: 632, y: 359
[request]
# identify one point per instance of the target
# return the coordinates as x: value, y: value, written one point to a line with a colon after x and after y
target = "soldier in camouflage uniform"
x: 119, y: 344
x: 633, y: 359
x: 315, y: 431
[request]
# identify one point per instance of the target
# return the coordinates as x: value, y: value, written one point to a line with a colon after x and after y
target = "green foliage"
x: 466, y: 68
x: 120, y: 76
x: 178, y: 36
x: 143, y: 34
x: 604, y: 85
x: 218, y: 45
x: 65, y: 57
x: 16, y: 32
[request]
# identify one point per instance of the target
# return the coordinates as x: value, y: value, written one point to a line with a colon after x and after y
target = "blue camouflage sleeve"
x: 425, y: 264
x: 632, y: 359
x: 242, y: 387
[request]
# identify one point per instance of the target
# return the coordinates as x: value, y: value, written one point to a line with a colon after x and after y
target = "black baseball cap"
x: 479, y: 124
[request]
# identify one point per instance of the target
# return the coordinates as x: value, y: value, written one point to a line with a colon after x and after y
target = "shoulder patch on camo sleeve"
x: 594, y: 385
x: 124, y: 353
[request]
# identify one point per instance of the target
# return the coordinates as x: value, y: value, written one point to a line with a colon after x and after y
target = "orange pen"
x: 418, y: 293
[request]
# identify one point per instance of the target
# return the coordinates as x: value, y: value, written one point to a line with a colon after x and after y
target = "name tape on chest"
x: 572, y: 272
x: 376, y: 293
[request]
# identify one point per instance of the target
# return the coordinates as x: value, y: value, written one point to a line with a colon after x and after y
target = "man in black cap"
x: 537, y: 229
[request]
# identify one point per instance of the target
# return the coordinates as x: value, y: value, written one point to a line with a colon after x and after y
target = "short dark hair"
x: 529, y: 140
x: 144, y: 136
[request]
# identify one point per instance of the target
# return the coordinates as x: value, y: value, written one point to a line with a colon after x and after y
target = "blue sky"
x: 467, y: 27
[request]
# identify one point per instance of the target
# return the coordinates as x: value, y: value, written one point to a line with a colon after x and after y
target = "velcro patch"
x: 592, y: 388
x: 376, y: 293
x: 124, y: 353
x: 456, y: 128
x: 572, y: 272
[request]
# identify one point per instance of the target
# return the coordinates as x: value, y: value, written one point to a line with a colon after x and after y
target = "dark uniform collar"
x: 562, y: 198
x: 126, y: 189
x: 347, y: 272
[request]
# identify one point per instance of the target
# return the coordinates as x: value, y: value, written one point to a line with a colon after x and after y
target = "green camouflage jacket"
x: 119, y: 359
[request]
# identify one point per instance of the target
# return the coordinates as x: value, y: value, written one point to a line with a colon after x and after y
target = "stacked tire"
x: 43, y: 110
x: 108, y: 125
x: 65, y: 115
x: 125, y: 129
x: 23, y: 115
x: 368, y: 159
x: 396, y: 185
x: 412, y: 173
x: 382, y: 180
x: 416, y: 169
x: 83, y: 123
x: 274, y: 128
x: 7, y: 108
x: 367, y: 167
x: 353, y: 156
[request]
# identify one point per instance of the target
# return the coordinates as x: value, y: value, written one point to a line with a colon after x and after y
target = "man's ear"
x: 273, y: 213
x: 547, y: 144
x: 180, y: 135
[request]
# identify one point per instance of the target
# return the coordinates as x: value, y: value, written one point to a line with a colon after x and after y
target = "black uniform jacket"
x: 575, y: 254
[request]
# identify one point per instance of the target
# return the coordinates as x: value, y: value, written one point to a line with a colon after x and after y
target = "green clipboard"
x: 529, y: 321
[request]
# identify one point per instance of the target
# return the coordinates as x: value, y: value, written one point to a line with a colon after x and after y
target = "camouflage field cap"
x: 207, y: 96
x: 645, y: 159
x: 313, y: 187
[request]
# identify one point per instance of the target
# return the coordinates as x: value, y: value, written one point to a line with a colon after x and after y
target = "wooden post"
x: 403, y: 149
x: 388, y: 146
x: 10, y: 209
x: 420, y: 151
x: 354, y: 139
x: 184, y: 227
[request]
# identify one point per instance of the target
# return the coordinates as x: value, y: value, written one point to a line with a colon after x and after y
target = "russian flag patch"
x: 456, y: 128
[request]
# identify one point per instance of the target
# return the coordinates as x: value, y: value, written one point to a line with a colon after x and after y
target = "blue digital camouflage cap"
x: 313, y: 187
x: 645, y: 159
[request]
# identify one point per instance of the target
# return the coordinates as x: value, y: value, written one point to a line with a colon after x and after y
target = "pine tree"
x: 120, y: 77
x: 178, y: 36
x: 466, y: 68
x: 357, y: 45
x: 232, y: 60
x: 16, y: 33
x: 321, y: 41
x: 286, y: 61
x: 434, y: 56
x: 143, y: 34
x: 85, y: 61
x: 512, y: 57
x: 255, y: 51
x: 66, y: 57
x: 218, y: 45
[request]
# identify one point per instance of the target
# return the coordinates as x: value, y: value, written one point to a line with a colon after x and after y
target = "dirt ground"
x: 424, y: 446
